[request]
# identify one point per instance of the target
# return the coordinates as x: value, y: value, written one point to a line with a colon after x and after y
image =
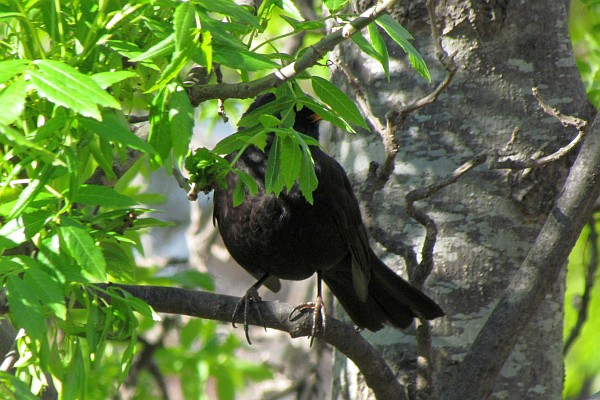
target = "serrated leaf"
x: 65, y: 86
x: 380, y: 48
x: 401, y: 36
x: 256, y: 136
x: 13, y: 99
x: 291, y: 161
x: 25, y: 310
x: 11, y: 68
x: 114, y: 128
x: 274, y: 181
x: 107, y: 79
x: 338, y: 100
x: 80, y: 245
x: 103, y: 196
x: 308, y: 181
x: 181, y: 121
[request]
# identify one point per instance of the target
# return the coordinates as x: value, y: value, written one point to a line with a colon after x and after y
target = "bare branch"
x: 476, y: 374
x: 342, y: 336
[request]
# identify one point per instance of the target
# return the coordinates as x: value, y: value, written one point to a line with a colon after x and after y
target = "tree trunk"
x: 487, y: 220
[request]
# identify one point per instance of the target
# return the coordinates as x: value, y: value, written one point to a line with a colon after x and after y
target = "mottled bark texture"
x: 488, y: 220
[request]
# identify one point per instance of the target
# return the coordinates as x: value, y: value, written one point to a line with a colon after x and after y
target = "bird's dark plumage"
x: 287, y: 238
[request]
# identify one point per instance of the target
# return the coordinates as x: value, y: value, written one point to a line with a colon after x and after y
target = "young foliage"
x: 71, y: 76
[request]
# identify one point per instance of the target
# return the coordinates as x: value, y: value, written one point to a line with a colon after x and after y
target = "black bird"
x: 286, y: 237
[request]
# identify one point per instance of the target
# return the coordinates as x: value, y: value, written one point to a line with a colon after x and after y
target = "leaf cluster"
x: 72, y: 76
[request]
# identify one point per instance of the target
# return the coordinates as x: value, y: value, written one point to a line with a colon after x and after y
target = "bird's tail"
x: 390, y: 298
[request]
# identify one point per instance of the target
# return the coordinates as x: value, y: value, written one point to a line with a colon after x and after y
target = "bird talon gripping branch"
x: 284, y: 236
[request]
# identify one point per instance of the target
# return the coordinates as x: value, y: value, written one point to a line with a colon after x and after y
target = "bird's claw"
x: 250, y: 298
x: 318, y: 315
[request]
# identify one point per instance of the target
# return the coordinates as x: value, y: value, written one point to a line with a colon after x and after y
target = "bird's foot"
x: 319, y: 320
x: 250, y: 299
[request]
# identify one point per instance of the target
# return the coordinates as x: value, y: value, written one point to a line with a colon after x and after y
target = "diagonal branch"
x: 475, y: 376
x: 309, y: 58
x: 342, y: 336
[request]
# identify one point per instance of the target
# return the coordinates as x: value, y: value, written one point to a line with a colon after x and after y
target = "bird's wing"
x: 349, y: 222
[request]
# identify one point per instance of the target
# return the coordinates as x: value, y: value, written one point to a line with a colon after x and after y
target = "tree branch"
x: 342, y: 336
x: 309, y: 58
x: 475, y: 376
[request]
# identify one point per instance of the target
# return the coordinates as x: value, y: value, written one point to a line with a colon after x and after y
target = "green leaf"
x: 268, y: 121
x: 274, y: 180
x: 11, y: 68
x: 228, y: 7
x: 13, y: 99
x: 114, y: 128
x: 291, y: 161
x: 181, y: 121
x: 160, y: 132
x: 338, y: 100
x: 325, y: 113
x: 34, y: 222
x: 19, y: 138
x: 271, y: 108
x: 380, y: 48
x: 401, y: 36
x: 308, y: 181
x: 25, y: 309
x: 107, y: 79
x: 47, y: 290
x: 256, y: 136
x: 65, y: 86
x: 304, y: 25
x: 31, y: 191
x: 289, y: 7
x: 241, y: 58
x: 186, y: 43
x: 80, y: 245
x: 130, y: 51
x: 245, y: 181
x: 335, y: 5
x: 17, y: 387
x: 184, y: 23
x: 12, y: 234
x: 163, y: 48
x: 103, y: 196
